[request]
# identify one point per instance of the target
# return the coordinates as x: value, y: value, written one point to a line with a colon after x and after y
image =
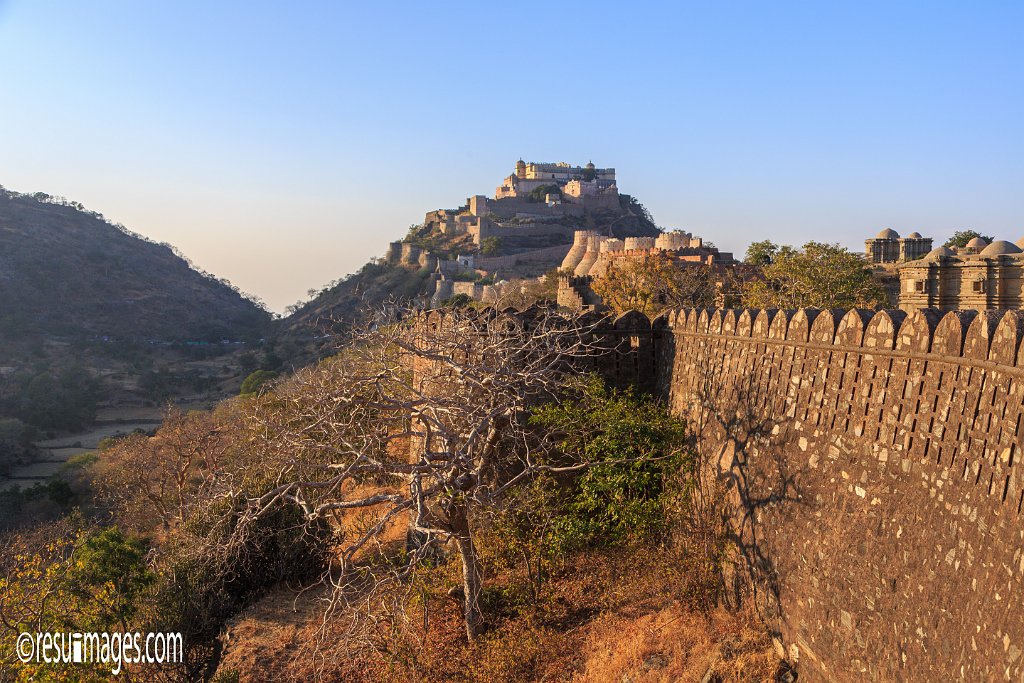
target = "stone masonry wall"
x: 873, y: 460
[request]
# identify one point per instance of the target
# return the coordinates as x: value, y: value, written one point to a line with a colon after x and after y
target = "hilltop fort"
x: 527, y: 228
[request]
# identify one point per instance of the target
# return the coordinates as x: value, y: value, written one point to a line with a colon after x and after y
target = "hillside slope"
x: 67, y: 272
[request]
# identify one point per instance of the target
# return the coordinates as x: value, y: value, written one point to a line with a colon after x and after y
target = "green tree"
x: 538, y: 194
x: 457, y: 301
x: 636, y: 447
x: 113, y: 565
x: 63, y: 399
x: 15, y: 442
x: 252, y: 383
x: 960, y: 238
x: 761, y: 253
x: 271, y: 361
x: 248, y: 362
x: 817, y: 276
x: 490, y: 246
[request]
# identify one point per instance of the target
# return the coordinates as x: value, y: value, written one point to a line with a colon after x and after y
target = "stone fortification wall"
x: 873, y: 462
x: 574, y: 292
x: 546, y: 255
x: 606, y: 201
x: 639, y: 243
x: 677, y: 239
x: 512, y: 206
x: 490, y: 229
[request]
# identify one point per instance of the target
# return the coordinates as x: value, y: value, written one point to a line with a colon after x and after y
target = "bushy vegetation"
x: 539, y: 194
x: 159, y: 550
x: 636, y: 448
x: 490, y: 246
x: 655, y: 283
x: 40, y: 503
x: 70, y: 578
x: 15, y: 443
x: 255, y: 380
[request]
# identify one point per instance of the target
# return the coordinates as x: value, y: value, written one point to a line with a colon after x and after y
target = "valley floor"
x: 55, y: 453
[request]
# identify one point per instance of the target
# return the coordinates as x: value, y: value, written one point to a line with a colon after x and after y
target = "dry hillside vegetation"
x: 496, y: 515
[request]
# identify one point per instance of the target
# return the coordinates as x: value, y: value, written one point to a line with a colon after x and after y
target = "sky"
x: 282, y: 145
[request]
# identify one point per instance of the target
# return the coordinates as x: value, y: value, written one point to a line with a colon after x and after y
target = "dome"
x: 976, y: 243
x: 939, y: 252
x: 914, y: 236
x: 590, y: 165
x: 887, y: 234
x: 1020, y: 243
x: 1000, y: 247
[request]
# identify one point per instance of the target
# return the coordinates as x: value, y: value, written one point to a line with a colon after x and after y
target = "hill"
x: 68, y: 272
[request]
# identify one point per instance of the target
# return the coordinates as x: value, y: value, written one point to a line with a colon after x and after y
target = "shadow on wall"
x: 871, y: 459
x: 733, y: 408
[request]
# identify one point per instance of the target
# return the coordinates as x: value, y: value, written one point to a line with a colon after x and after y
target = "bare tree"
x: 161, y: 480
x: 421, y: 422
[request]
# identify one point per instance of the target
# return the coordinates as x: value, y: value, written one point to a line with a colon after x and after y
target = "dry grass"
x: 674, y: 644
x: 610, y: 616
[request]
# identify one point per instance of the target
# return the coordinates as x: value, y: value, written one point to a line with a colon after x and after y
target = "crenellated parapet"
x: 952, y: 336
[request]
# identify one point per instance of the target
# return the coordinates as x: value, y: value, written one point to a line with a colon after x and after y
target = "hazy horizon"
x: 283, y: 147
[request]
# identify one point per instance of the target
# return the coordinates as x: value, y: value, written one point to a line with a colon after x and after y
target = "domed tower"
x: 913, y: 246
x: 520, y: 169
x: 974, y: 246
x: 884, y: 248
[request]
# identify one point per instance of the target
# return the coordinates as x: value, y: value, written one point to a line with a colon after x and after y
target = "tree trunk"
x: 471, y: 585
x: 458, y: 522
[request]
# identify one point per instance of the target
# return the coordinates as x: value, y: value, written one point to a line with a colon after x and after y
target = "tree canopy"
x: 960, y: 238
x: 761, y: 253
x: 818, y: 275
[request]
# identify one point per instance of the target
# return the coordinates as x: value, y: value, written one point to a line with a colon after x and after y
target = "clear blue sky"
x: 282, y: 144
